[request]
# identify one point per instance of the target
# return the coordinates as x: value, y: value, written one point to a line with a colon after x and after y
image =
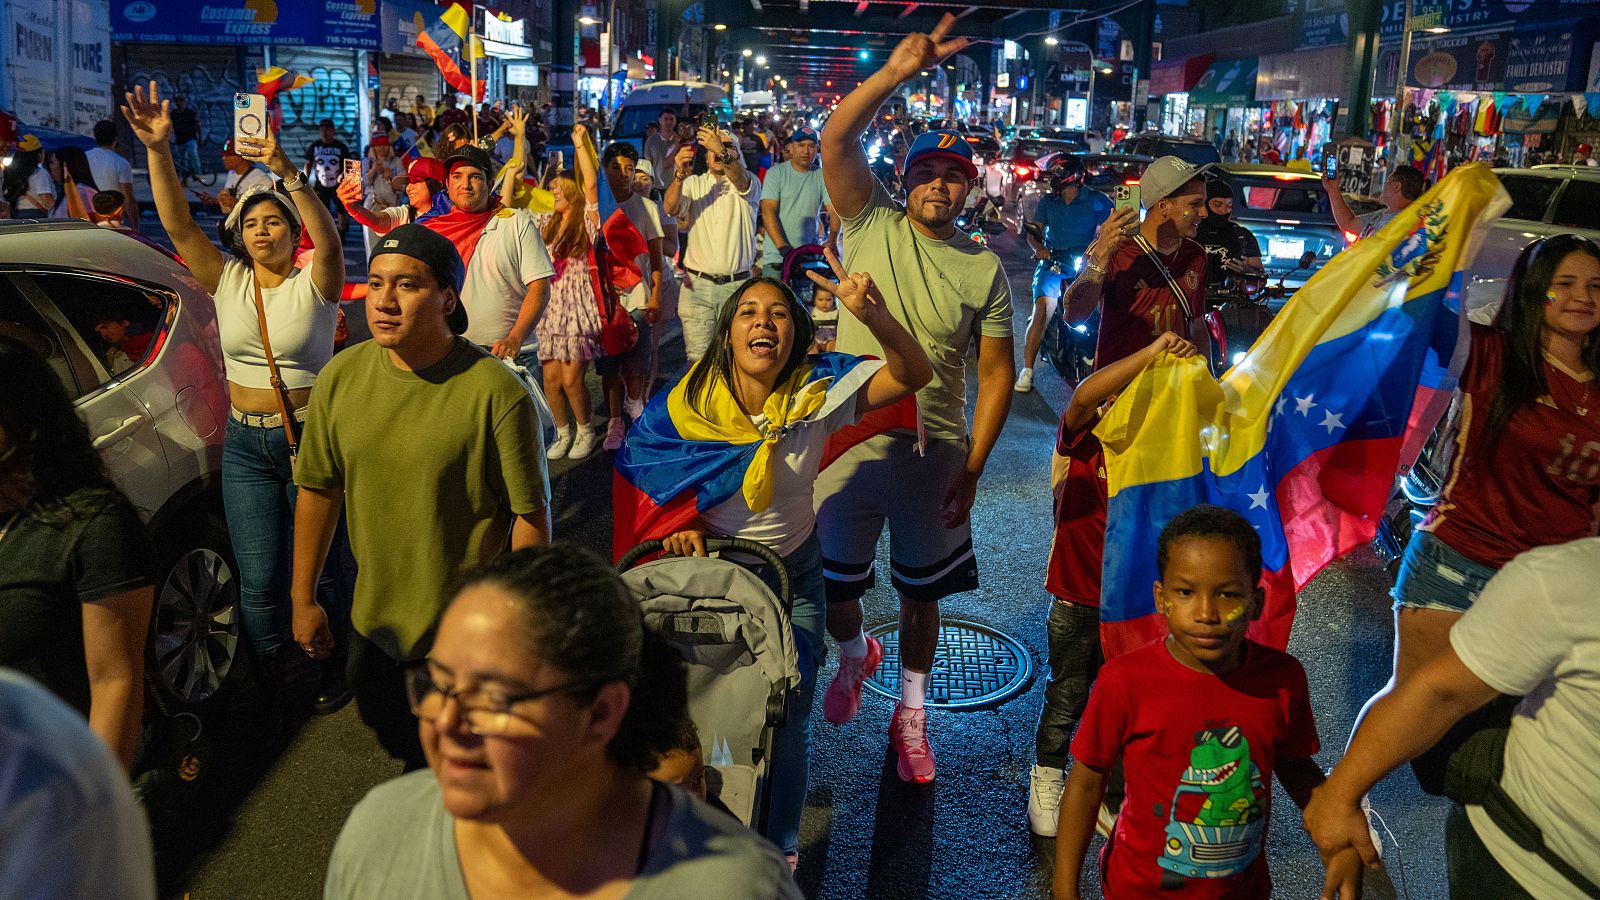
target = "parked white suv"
x: 1545, y: 200
x: 133, y: 337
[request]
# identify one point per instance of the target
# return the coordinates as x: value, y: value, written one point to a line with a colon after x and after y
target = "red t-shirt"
x: 1539, y: 484
x: 1137, y: 305
x: 1078, y: 489
x: 1198, y: 751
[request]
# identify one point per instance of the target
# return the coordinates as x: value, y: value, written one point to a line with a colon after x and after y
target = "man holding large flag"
x: 1304, y: 436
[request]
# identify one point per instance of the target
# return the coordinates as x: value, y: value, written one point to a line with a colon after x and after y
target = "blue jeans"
x: 808, y: 617
x: 1434, y: 576
x: 186, y: 158
x: 258, y: 495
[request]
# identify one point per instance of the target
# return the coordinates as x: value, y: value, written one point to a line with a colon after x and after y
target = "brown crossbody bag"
x: 278, y: 390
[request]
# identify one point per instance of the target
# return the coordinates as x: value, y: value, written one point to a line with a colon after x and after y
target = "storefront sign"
x: 398, y: 23
x: 1228, y: 82
x: 1460, y: 63
x: 1325, y: 23
x: 58, y: 63
x: 334, y: 23
x: 1542, y: 59
x: 522, y: 74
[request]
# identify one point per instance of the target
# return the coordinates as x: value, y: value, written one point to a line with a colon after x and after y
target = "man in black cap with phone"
x: 468, y: 473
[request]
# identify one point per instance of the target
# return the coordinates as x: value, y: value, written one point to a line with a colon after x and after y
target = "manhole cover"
x: 975, y: 665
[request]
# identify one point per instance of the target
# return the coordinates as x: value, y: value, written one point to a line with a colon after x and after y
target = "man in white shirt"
x: 720, y: 206
x: 508, y: 267
x: 243, y: 175
x: 111, y: 171
x: 630, y: 222
x: 1532, y: 633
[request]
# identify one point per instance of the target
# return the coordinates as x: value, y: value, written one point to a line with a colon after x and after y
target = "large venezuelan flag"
x: 679, y: 460
x: 448, y: 42
x: 1304, y: 436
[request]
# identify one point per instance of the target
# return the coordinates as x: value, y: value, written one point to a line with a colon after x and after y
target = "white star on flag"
x: 1258, y: 500
x: 1282, y: 402
x: 1302, y: 405
x: 1332, y: 420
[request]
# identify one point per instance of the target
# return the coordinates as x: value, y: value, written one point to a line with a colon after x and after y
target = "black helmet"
x: 1065, y: 171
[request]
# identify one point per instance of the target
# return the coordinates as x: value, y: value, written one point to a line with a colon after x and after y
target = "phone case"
x: 249, y: 116
x: 352, y: 169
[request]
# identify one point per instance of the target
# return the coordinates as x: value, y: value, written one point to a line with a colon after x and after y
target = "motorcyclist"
x: 1060, y: 228
x: 1232, y: 249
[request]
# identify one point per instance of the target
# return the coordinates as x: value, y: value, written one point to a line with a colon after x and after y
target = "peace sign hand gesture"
x: 148, y: 116
x: 917, y: 51
x: 856, y: 291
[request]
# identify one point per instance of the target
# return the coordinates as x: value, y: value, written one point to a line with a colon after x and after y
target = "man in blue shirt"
x: 1068, y: 219
x: 792, y: 197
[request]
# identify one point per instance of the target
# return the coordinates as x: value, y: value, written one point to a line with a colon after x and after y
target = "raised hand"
x: 579, y: 135
x: 517, y: 121
x: 1171, y: 343
x: 1111, y: 234
x: 265, y: 150
x: 712, y: 139
x: 684, y: 161
x: 917, y: 51
x: 856, y: 291
x: 147, y: 115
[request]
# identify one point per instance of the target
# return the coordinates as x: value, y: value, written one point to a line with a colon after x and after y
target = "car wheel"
x: 195, y: 639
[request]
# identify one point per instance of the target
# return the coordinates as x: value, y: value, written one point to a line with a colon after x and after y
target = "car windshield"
x: 1194, y: 154
x: 1036, y: 149
x: 632, y: 120
x: 1302, y: 198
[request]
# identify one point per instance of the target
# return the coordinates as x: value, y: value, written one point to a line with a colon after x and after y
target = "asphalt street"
x: 265, y: 825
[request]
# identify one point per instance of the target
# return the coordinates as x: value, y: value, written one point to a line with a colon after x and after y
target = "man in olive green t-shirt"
x: 433, y: 449
x: 952, y: 294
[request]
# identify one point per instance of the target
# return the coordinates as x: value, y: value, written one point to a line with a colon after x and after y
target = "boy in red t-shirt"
x: 1201, y: 720
x: 1078, y: 488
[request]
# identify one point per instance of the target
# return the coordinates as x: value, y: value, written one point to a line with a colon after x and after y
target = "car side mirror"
x: 1308, y: 259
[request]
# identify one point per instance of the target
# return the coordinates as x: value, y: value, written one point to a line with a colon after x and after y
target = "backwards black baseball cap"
x: 437, y: 253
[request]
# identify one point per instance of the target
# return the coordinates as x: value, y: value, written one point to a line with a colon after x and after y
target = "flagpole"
x: 472, y: 98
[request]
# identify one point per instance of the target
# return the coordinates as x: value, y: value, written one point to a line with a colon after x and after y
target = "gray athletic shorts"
x: 884, y: 480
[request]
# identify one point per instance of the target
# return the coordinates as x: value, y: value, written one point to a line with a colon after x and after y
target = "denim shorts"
x: 1434, y: 576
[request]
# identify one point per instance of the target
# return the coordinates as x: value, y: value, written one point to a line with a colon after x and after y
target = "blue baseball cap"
x: 802, y: 134
x: 947, y: 144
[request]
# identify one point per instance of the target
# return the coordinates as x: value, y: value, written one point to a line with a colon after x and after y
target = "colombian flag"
x: 1303, y: 437
x: 444, y: 41
x: 679, y: 460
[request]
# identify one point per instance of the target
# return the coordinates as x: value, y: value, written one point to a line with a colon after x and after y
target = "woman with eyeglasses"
x: 540, y: 707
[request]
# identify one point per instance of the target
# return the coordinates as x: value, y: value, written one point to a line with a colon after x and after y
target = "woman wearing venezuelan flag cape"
x: 733, y: 450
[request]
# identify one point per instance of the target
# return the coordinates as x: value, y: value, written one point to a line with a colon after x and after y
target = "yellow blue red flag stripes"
x: 681, y: 458
x: 1304, y: 436
x: 449, y: 41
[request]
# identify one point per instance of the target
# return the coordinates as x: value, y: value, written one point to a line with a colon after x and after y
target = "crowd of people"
x: 542, y: 728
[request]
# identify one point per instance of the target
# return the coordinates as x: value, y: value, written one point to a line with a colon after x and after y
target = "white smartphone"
x: 249, y: 116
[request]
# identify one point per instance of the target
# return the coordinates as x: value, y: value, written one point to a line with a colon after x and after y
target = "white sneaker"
x: 1044, y: 799
x: 584, y: 444
x: 1024, y: 381
x: 564, y: 439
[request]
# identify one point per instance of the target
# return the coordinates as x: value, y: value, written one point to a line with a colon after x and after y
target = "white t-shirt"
x: 646, y: 217
x: 109, y: 169
x: 71, y: 824
x: 1534, y: 633
x: 722, y: 224
x: 509, y: 257
x: 791, y: 516
x: 237, y: 182
x: 300, y: 322
x: 38, y: 183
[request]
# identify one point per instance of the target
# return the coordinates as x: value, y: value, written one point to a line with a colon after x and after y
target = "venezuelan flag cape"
x: 679, y: 460
x: 448, y: 42
x: 1303, y: 437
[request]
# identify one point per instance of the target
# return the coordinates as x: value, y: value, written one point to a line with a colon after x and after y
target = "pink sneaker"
x: 842, y: 700
x: 908, y: 735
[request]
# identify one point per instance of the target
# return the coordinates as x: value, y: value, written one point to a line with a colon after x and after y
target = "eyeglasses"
x: 487, y: 712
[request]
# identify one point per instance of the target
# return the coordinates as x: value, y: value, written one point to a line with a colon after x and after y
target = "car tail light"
x: 1350, y: 237
x: 1130, y: 181
x: 1023, y: 171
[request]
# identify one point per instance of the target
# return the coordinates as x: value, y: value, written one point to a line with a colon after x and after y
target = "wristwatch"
x: 295, y: 182
x: 1094, y: 267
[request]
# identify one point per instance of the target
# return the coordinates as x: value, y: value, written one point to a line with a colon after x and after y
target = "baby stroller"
x: 740, y: 652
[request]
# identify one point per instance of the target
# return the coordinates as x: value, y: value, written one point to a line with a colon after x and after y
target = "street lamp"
x: 719, y: 27
x: 761, y: 61
x: 1051, y: 41
x: 745, y: 52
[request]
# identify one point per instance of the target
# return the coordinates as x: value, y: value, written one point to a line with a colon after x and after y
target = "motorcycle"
x: 1240, y: 309
x: 1416, y: 493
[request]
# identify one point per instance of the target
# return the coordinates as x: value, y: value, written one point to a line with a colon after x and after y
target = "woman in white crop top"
x: 262, y: 231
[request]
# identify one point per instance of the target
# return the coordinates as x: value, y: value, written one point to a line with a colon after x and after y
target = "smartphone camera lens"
x: 240, y: 101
